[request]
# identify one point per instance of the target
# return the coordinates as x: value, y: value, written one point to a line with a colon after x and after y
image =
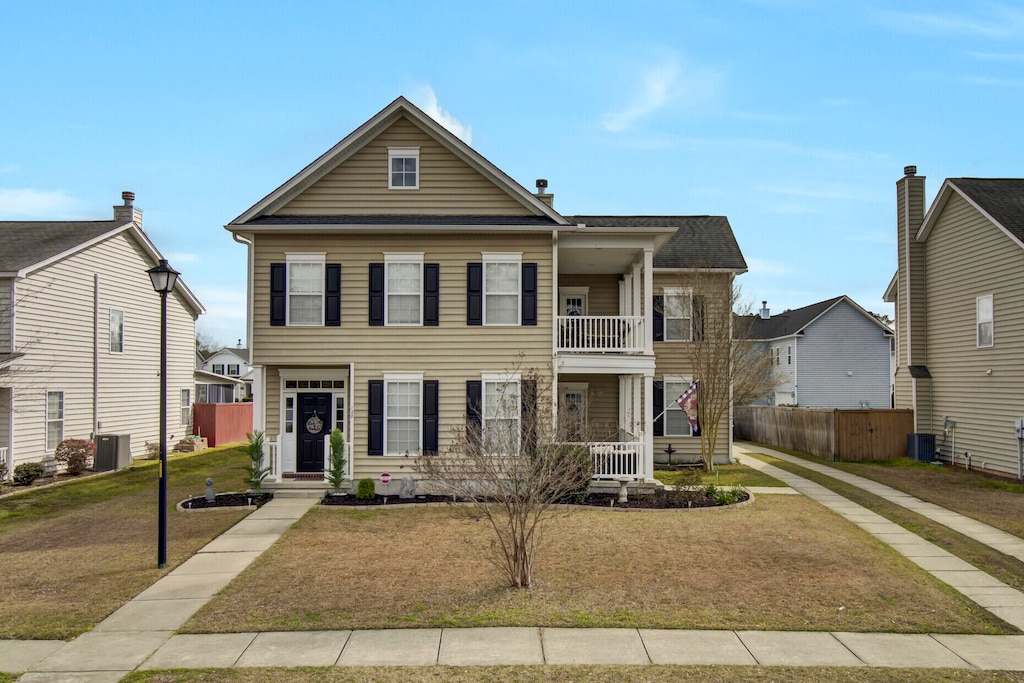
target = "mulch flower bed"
x: 227, y: 500
x: 658, y: 500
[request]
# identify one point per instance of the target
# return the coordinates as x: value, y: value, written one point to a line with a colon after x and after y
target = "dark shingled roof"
x: 786, y: 323
x: 403, y: 219
x: 25, y: 243
x: 700, y: 241
x: 1001, y: 198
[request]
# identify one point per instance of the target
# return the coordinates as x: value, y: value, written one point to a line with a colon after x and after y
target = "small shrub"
x: 728, y: 496
x: 336, y: 471
x: 255, y: 470
x: 28, y: 472
x: 75, y: 454
x: 366, y: 490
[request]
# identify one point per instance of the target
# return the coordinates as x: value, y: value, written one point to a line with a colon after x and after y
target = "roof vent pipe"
x: 910, y: 171
x: 765, y: 313
x: 128, y: 197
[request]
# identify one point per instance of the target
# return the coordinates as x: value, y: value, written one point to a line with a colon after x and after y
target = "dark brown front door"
x: 314, y: 425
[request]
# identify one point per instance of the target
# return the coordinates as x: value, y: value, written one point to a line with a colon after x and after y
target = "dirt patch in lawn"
x: 781, y: 563
x: 71, y: 555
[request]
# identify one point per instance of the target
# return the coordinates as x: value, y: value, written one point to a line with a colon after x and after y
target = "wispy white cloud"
x: 839, y: 192
x: 426, y: 99
x: 663, y: 84
x: 758, y: 266
x: 997, y: 57
x: 9, y: 168
x: 29, y: 203
x: 181, y: 257
x: 993, y: 20
x: 994, y: 82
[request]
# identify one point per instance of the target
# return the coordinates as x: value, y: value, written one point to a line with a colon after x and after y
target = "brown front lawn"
x: 782, y: 563
x: 71, y: 555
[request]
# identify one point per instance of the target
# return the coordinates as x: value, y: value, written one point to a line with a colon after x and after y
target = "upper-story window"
x: 305, y: 289
x: 789, y: 355
x: 403, y: 289
x: 116, y: 330
x: 678, y: 314
x: 985, y: 321
x: 502, y: 288
x: 403, y: 168
x: 218, y: 368
x: 233, y: 370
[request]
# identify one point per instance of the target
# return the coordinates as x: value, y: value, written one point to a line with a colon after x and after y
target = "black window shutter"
x: 474, y: 424
x: 376, y: 413
x: 332, y: 289
x: 430, y: 412
x: 278, y: 291
x: 659, y: 318
x: 377, y: 295
x: 474, y: 294
x: 528, y: 418
x: 659, y: 408
x: 699, y: 312
x: 529, y: 293
x: 431, y: 293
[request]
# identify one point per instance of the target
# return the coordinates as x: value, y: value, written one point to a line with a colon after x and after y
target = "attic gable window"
x: 403, y: 168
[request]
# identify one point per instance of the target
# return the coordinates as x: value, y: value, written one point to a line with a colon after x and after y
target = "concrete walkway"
x: 995, y: 596
x: 140, y: 635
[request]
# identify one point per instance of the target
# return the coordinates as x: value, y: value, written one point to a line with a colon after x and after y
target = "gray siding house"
x: 959, y: 296
x: 832, y: 354
x: 80, y: 336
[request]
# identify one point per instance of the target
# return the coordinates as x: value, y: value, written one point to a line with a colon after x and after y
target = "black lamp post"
x: 164, y: 278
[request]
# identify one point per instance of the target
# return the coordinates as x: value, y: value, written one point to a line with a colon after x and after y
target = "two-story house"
x: 80, y: 336
x: 231, y: 363
x: 959, y: 296
x: 401, y: 281
x: 830, y: 354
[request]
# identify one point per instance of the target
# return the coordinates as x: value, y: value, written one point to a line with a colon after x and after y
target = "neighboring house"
x: 232, y: 363
x: 400, y: 281
x: 959, y: 296
x: 832, y: 354
x: 80, y: 335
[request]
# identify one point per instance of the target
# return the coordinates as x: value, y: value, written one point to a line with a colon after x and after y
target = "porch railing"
x: 618, y: 459
x: 601, y: 334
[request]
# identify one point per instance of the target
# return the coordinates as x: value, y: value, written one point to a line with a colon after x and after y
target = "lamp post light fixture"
x: 164, y: 278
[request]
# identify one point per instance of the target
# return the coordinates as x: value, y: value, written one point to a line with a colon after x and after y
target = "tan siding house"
x: 86, y: 335
x: 400, y: 274
x: 959, y: 298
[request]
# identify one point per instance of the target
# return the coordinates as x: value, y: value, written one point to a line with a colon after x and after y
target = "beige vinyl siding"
x: 55, y: 328
x: 969, y: 257
x: 451, y: 353
x: 5, y: 314
x: 602, y: 403
x: 447, y: 185
x: 672, y: 360
x: 602, y: 294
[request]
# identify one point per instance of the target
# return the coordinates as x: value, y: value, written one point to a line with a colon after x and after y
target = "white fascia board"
x: 891, y: 292
x: 734, y: 271
x: 397, y: 228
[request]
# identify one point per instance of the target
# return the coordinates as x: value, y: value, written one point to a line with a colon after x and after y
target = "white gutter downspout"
x: 554, y: 328
x: 95, y: 353
x: 10, y: 402
x: 259, y: 398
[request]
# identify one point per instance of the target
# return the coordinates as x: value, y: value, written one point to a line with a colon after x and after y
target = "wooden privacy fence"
x: 847, y: 435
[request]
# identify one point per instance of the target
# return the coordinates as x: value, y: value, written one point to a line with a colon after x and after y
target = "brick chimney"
x: 127, y: 211
x: 542, y: 192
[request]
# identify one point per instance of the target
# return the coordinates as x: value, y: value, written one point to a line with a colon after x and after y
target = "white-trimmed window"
x: 305, y: 289
x: 54, y: 419
x: 218, y: 368
x: 403, y: 168
x: 403, y: 289
x: 116, y: 330
x: 186, y: 407
x: 502, y: 288
x: 233, y: 370
x: 775, y: 355
x: 501, y: 413
x: 676, y: 422
x: 985, y: 321
x: 678, y: 314
x: 403, y: 414
x: 789, y: 355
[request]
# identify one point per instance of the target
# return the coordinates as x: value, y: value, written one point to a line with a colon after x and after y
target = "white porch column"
x: 648, y: 426
x: 259, y: 399
x: 634, y: 290
x: 648, y: 301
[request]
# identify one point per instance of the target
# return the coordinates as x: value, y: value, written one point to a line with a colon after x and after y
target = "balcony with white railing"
x: 623, y: 334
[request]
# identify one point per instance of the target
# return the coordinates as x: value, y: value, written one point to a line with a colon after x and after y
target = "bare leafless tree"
x: 515, y: 462
x: 730, y: 367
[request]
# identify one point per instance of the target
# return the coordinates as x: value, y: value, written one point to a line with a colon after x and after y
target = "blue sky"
x: 793, y: 118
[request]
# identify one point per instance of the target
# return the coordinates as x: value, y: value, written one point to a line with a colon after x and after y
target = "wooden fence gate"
x: 872, y: 434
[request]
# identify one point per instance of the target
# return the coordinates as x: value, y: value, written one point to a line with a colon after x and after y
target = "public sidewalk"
x: 141, y: 635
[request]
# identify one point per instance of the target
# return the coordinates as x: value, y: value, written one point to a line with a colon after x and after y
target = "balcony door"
x: 574, y: 301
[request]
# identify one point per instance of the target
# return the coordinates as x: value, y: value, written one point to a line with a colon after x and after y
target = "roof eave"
x: 948, y: 186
